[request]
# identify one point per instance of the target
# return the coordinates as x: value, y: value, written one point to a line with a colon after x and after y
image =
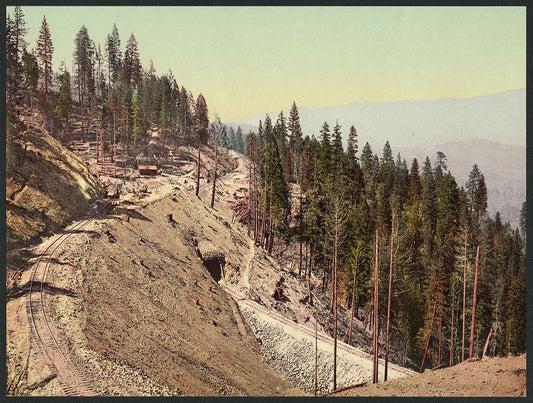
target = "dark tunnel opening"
x: 215, y: 268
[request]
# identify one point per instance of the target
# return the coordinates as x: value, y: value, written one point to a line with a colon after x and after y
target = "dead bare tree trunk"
x: 474, y: 307
x: 249, y: 196
x: 263, y: 223
x: 96, y: 143
x: 301, y: 236
x: 114, y: 146
x: 376, y: 311
x: 464, y: 303
x: 215, y: 177
x: 406, y: 347
x: 430, y: 327
x: 324, y: 265
x: 451, y: 333
x: 308, y: 275
x: 198, y: 171
x: 440, y: 333
x: 271, y: 224
x: 486, y: 344
x: 389, y: 300
x: 316, y: 353
x: 353, y: 298
x: 335, y: 243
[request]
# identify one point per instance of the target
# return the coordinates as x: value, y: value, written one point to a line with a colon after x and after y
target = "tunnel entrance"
x: 213, y: 259
x: 215, y: 267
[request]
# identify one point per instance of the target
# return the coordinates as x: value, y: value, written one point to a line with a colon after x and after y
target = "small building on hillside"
x: 150, y: 170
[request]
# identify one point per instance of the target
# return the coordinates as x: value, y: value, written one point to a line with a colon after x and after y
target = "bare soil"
x: 490, y: 377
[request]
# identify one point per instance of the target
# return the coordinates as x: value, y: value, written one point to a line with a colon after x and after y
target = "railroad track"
x: 72, y: 382
x: 341, y: 345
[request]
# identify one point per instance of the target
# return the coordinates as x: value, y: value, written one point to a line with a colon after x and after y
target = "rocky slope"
x: 47, y: 186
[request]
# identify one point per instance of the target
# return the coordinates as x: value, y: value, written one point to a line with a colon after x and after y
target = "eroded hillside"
x: 47, y: 186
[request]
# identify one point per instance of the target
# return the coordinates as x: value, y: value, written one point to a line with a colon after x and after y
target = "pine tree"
x: 523, y: 219
x: 295, y: 142
x: 31, y: 73
x: 113, y: 56
x: 11, y: 65
x: 15, y: 51
x: 135, y: 117
x: 472, y: 185
x: 414, y: 188
x: 308, y: 165
x: 232, y: 138
x: 132, y: 69
x: 278, y: 197
x: 202, y: 120
x: 63, y: 107
x: 337, y: 152
x: 480, y: 197
x: 20, y: 31
x: 352, y: 144
x: 82, y: 64
x: 323, y: 162
x: 239, y: 142
x: 45, y: 50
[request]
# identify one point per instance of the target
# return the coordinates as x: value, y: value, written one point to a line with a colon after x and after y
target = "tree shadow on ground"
x: 17, y: 292
x: 41, y: 384
x: 131, y: 213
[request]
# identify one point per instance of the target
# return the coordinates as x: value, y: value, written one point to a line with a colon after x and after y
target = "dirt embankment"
x: 490, y: 377
x: 47, y: 186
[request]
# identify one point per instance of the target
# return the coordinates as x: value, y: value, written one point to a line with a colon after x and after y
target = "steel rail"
x: 72, y: 383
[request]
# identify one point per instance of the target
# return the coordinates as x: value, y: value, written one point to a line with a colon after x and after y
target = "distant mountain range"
x: 487, y: 130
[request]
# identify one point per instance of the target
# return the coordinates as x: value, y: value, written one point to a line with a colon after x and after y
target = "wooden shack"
x: 150, y: 170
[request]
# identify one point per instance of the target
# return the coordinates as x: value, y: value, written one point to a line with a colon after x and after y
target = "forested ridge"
x: 456, y: 274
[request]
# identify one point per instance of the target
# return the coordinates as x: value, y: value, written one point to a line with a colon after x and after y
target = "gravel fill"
x: 292, y: 352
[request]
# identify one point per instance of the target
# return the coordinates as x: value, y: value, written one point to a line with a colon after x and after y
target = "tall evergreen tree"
x: 15, y: 51
x: 132, y: 69
x: 295, y: 142
x: 353, y: 147
x: 45, y: 50
x: 239, y: 142
x: 414, y: 187
x: 31, y: 74
x: 63, y: 107
x: 323, y: 162
x: 202, y: 120
x: 83, y: 64
x: 113, y: 55
x: 135, y: 117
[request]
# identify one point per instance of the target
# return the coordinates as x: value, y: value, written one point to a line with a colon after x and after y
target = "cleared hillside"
x: 490, y: 377
x: 47, y: 186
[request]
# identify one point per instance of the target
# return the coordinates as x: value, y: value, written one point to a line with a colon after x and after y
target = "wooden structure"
x: 150, y: 170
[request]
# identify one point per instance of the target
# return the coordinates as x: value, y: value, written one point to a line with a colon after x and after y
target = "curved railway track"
x: 72, y: 382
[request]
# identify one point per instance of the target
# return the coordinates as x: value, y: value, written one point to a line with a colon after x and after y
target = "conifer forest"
x: 401, y: 244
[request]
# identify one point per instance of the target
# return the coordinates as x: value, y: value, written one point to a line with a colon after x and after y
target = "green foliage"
x: 135, y: 117
x: 63, y: 107
x: 202, y: 120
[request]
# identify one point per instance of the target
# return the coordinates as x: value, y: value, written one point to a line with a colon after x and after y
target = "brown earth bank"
x: 490, y: 377
x: 47, y: 186
x: 142, y: 315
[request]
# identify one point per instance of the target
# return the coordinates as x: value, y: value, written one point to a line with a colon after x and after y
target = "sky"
x: 253, y: 60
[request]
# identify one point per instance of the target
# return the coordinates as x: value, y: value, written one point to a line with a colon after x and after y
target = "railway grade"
x: 304, y: 329
x: 72, y: 382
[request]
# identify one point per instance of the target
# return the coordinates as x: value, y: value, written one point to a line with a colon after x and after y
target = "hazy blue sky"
x: 253, y: 60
